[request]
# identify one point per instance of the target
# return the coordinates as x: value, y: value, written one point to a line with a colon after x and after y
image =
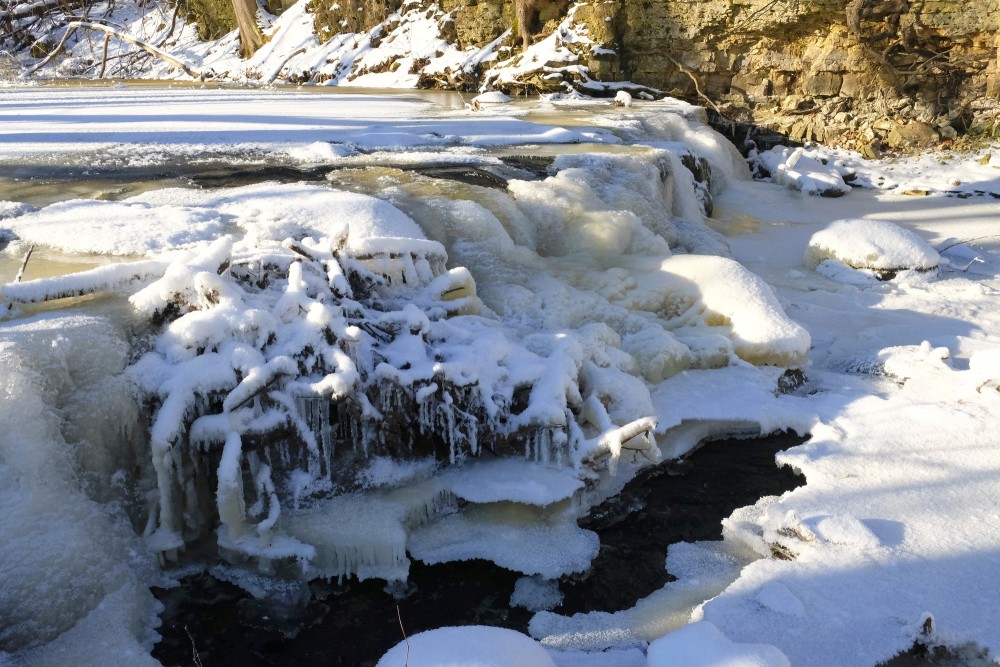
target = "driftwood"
x: 20, y: 274
x: 283, y: 63
x: 104, y: 56
x: 112, y: 32
x: 24, y: 265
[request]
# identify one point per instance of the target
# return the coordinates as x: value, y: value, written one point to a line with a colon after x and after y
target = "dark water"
x: 355, y: 623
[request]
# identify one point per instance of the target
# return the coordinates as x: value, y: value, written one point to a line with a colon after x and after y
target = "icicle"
x: 229, y: 497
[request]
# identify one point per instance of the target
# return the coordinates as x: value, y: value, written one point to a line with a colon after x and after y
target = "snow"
x: 895, y: 517
x: 944, y: 173
x: 731, y: 297
x: 871, y: 244
x: 471, y: 646
x: 45, y: 121
x: 701, y: 644
x: 493, y: 97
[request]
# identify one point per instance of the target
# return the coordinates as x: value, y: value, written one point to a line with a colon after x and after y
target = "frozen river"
x: 283, y: 337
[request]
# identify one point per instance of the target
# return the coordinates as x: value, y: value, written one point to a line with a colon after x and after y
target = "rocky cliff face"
x: 865, y: 73
x: 829, y: 70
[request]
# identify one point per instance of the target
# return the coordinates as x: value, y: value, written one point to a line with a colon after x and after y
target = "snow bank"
x: 729, y: 296
x: 470, y: 646
x: 896, y: 519
x: 876, y: 245
x: 971, y: 174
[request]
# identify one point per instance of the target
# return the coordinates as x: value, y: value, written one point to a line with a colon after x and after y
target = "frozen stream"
x: 301, y: 344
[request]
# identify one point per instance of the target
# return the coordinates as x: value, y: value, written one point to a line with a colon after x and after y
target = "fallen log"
x: 109, y: 278
x: 113, y: 32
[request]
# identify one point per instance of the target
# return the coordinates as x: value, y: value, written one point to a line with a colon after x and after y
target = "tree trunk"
x: 251, y: 38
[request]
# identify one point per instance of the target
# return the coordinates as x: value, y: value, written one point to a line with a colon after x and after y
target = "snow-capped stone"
x: 871, y: 244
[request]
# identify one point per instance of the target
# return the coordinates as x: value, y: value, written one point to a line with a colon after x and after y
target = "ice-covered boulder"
x: 873, y: 245
x: 731, y: 299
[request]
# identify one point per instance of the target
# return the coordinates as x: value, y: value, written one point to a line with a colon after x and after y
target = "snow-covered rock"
x: 806, y: 170
x: 701, y: 644
x: 492, y: 97
x: 875, y: 245
x: 469, y: 646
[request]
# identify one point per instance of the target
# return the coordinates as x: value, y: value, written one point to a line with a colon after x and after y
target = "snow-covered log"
x: 122, y: 277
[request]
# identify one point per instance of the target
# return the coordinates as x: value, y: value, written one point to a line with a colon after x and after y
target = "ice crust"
x: 512, y: 480
x: 512, y: 535
x: 117, y: 228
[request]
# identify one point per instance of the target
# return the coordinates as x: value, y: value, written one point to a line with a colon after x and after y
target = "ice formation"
x: 318, y: 330
x: 702, y: 569
x: 69, y: 560
x: 536, y: 593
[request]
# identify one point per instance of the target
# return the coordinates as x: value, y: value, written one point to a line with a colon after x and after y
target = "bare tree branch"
x: 149, y: 48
